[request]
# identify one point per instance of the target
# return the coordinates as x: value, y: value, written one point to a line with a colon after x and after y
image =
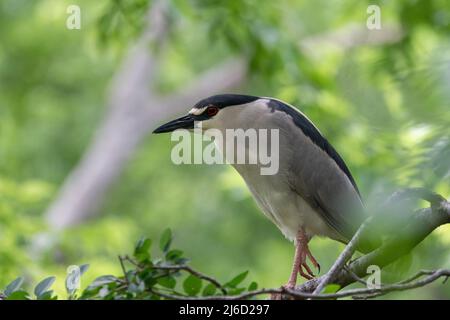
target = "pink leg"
x: 301, y: 254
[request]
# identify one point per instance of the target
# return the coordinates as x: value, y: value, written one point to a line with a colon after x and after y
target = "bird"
x: 313, y: 192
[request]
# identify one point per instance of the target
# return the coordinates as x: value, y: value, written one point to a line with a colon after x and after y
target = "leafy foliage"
x: 162, y: 278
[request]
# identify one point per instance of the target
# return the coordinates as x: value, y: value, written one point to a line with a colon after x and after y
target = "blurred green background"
x: 384, y: 107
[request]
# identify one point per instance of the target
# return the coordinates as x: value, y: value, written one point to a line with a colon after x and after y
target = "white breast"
x: 287, y: 210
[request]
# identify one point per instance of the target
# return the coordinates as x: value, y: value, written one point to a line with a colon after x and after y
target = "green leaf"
x: 233, y: 283
x: 73, y: 277
x: 18, y: 295
x: 71, y: 283
x: 166, y: 240
x: 83, y: 268
x: 192, y: 285
x: 104, y: 291
x: 331, y: 288
x: 149, y: 280
x: 143, y: 244
x: 235, y: 291
x: 43, y: 286
x: 168, y: 282
x: 102, y: 280
x: 209, y: 290
x: 253, y: 286
x: 13, y: 286
x: 181, y: 261
x: 142, y: 249
x: 174, y: 255
x: 47, y: 295
x: 137, y: 288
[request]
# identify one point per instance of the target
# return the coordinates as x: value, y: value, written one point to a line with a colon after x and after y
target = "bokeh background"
x: 381, y: 97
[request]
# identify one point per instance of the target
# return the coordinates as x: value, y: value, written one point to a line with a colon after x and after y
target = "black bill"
x: 185, y: 122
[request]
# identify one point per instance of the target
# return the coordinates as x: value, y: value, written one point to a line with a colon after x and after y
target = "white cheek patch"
x: 197, y: 111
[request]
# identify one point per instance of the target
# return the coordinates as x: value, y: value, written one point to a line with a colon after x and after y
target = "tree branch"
x: 146, y: 274
x: 416, y: 229
x: 195, y: 273
x: 432, y: 276
x: 346, y: 254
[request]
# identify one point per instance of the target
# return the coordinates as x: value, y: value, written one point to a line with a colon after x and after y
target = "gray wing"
x: 331, y: 195
x: 320, y: 176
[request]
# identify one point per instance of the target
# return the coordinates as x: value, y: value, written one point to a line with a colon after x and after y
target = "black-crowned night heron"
x: 312, y: 193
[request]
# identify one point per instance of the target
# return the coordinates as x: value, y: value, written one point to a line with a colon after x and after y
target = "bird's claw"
x: 304, y: 270
x: 308, y: 274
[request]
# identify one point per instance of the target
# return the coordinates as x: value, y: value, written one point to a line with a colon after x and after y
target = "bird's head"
x: 212, y: 112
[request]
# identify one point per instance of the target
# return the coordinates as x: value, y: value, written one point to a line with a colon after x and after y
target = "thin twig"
x: 351, y: 292
x: 183, y: 268
x: 131, y: 261
x: 195, y: 273
x: 408, y: 280
x: 417, y: 275
x: 350, y: 274
x: 124, y: 270
x: 172, y: 291
x: 172, y: 296
x: 346, y: 254
x: 303, y: 295
x: 416, y: 193
x: 354, y: 276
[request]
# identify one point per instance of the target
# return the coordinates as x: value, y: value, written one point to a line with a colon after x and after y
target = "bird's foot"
x: 304, y: 270
x: 301, y: 259
x: 300, y: 265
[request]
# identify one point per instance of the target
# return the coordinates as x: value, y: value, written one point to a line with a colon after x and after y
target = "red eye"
x: 212, y: 111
